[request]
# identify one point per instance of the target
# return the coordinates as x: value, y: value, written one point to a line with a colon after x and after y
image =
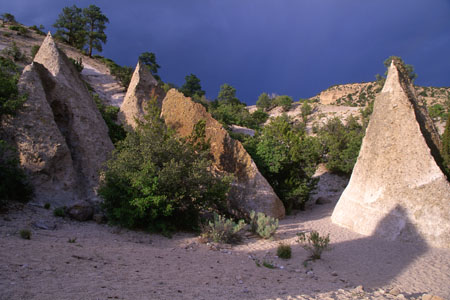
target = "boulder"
x: 61, y: 136
x: 143, y: 87
x: 397, y: 189
x: 250, y: 190
x: 81, y: 211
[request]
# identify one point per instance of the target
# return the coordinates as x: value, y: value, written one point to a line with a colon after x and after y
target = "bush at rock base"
x: 157, y: 181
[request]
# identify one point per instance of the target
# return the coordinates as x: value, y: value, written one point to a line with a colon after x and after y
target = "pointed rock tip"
x: 144, y: 73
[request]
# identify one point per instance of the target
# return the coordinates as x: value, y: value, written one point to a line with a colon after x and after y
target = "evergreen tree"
x: 264, y: 102
x: 149, y: 59
x: 95, y: 27
x: 70, y: 26
x: 227, y: 94
x: 192, y: 87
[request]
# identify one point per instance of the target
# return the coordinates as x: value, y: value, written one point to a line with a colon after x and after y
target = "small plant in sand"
x: 263, y: 225
x: 223, y: 230
x: 284, y: 251
x: 47, y: 205
x: 25, y: 234
x: 59, y: 212
x: 268, y: 265
x: 314, y: 243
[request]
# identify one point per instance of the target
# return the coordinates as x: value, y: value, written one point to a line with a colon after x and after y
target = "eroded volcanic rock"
x: 61, y: 137
x: 143, y: 87
x: 397, y: 189
x: 250, y: 190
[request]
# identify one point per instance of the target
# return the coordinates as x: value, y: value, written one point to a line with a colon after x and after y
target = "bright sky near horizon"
x: 288, y: 47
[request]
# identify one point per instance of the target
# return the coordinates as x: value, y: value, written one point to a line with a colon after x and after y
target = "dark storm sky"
x: 292, y: 47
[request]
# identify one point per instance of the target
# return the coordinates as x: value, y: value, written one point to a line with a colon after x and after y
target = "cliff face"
x: 250, y: 190
x: 142, y: 88
x: 61, y: 137
x: 397, y: 190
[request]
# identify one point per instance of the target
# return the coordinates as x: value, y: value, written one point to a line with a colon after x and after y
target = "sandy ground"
x: 107, y: 262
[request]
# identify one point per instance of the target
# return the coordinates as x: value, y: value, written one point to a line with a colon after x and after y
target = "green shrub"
x: 34, y: 50
x: 6, y: 34
x: 72, y: 241
x: 14, y: 27
x: 109, y: 113
x: 262, y: 225
x: 284, y: 251
x: 223, y: 230
x: 341, y: 144
x: 437, y: 111
x: 47, y: 205
x: 59, y: 212
x: 264, y: 102
x: 157, y: 181
x: 13, y: 181
x: 14, y: 53
x: 314, y: 243
x: 284, y: 101
x: 268, y: 265
x: 25, y: 234
x: 287, y: 157
x: 38, y: 29
x: 77, y: 63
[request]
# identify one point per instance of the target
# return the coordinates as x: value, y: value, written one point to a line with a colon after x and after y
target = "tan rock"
x: 62, y: 138
x: 397, y: 190
x: 143, y: 87
x: 250, y: 190
x: 43, y: 151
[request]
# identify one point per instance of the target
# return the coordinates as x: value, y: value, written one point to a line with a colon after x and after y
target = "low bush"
x: 284, y: 251
x: 14, y: 53
x: 38, y: 29
x: 223, y: 230
x: 314, y: 243
x: 263, y: 225
x: 59, y: 212
x: 34, y: 50
x: 47, y: 205
x: 25, y: 234
x: 159, y: 182
x: 109, y: 113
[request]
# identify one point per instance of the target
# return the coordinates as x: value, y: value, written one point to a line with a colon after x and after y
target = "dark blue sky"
x: 292, y: 47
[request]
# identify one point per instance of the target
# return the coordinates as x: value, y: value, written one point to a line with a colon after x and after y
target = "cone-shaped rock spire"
x: 397, y: 189
x: 250, y: 190
x: 67, y: 144
x: 143, y: 87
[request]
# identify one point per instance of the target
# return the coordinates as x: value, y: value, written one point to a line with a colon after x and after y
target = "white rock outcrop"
x: 397, y: 189
x: 61, y: 137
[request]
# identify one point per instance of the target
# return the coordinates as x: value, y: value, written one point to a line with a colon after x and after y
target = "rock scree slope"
x: 250, y: 190
x: 143, y: 86
x: 397, y: 177
x: 61, y: 137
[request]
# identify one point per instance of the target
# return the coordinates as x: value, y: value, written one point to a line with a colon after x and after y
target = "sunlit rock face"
x: 61, y: 136
x: 397, y: 189
x: 143, y: 87
x: 250, y: 190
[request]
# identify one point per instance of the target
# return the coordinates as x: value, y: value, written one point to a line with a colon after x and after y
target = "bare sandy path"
x: 111, y: 263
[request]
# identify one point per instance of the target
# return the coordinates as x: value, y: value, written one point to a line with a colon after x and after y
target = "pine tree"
x: 192, y: 86
x: 70, y: 26
x: 149, y: 59
x: 95, y: 27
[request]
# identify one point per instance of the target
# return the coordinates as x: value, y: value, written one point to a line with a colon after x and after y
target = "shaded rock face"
x: 143, y: 87
x: 397, y: 189
x: 61, y: 137
x: 250, y: 190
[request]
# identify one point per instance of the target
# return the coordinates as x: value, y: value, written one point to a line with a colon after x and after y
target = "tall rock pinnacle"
x: 397, y: 189
x: 143, y: 87
x: 61, y: 136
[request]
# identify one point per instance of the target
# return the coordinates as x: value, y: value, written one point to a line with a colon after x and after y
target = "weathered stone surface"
x: 142, y: 88
x: 250, y: 190
x: 61, y: 137
x: 397, y: 189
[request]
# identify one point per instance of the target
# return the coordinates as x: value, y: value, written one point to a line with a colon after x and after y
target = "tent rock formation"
x: 61, y: 137
x: 143, y: 87
x: 397, y: 177
x: 250, y: 190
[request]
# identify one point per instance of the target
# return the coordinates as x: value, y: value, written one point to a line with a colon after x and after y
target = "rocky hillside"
x: 95, y: 72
